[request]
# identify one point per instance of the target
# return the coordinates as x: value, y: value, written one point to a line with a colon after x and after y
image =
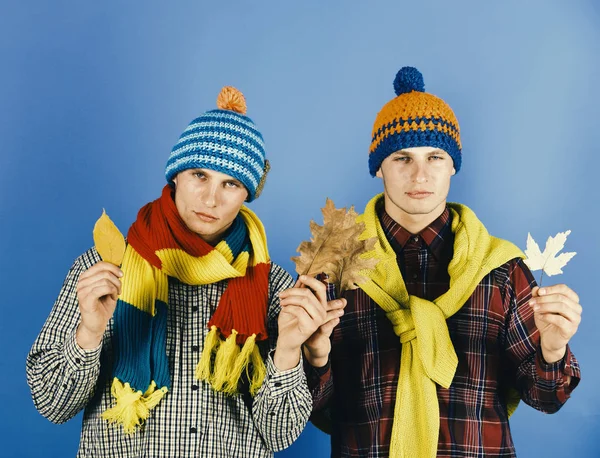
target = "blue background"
x: 93, y: 95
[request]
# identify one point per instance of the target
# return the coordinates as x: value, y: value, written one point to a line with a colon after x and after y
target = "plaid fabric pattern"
x: 192, y: 419
x: 494, y: 336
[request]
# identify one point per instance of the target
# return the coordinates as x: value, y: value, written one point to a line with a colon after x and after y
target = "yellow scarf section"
x: 143, y: 284
x: 428, y: 356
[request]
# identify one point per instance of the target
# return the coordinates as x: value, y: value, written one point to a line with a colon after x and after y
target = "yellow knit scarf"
x: 428, y: 356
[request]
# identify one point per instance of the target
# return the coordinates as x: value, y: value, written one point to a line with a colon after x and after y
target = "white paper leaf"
x: 548, y: 260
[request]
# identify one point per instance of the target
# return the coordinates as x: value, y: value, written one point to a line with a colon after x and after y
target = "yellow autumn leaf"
x: 109, y: 241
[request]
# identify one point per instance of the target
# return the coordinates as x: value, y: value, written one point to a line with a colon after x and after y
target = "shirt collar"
x: 435, y: 236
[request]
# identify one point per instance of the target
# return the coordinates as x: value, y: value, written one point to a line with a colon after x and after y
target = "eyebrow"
x: 410, y: 153
x: 208, y: 172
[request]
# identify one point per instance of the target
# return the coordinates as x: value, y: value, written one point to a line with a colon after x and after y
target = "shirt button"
x: 195, y: 348
x: 272, y: 414
x: 193, y: 430
x: 415, y: 276
x: 77, y: 360
x: 195, y: 308
x: 194, y: 387
x: 277, y: 384
x: 416, y: 238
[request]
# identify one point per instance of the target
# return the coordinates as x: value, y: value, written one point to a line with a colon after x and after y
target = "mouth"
x: 206, y: 217
x: 419, y: 194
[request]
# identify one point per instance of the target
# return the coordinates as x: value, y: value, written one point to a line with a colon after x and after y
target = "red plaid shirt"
x: 494, y: 336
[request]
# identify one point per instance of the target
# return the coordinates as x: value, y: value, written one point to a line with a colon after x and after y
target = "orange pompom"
x: 231, y: 99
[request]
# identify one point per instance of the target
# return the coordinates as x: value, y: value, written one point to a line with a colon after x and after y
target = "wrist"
x: 286, y: 358
x: 86, y: 339
x: 315, y: 361
x: 552, y: 356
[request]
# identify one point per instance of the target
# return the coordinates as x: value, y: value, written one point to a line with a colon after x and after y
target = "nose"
x: 420, y: 172
x: 210, y: 195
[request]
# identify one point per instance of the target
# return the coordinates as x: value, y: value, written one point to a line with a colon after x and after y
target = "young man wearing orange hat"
x: 449, y: 332
x: 183, y: 350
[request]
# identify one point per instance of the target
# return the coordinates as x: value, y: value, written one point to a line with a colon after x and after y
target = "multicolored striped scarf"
x: 161, y: 246
x: 428, y: 356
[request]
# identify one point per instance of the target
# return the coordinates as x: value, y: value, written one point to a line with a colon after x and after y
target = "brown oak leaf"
x: 346, y: 273
x: 335, y: 249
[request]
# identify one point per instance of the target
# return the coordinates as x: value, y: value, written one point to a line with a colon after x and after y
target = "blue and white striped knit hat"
x: 224, y: 140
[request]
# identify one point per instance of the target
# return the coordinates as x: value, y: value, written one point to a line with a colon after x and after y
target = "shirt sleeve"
x: 541, y: 385
x: 60, y: 374
x: 282, y: 406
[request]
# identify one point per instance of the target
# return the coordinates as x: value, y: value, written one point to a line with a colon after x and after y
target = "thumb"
x: 534, y: 291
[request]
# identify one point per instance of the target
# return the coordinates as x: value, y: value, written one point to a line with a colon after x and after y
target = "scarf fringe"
x: 211, y: 345
x: 259, y: 371
x: 230, y: 362
x: 132, y: 407
x: 224, y: 362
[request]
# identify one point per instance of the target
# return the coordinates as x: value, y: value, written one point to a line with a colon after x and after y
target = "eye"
x: 200, y: 174
x: 232, y: 184
x: 436, y: 158
x: 402, y: 158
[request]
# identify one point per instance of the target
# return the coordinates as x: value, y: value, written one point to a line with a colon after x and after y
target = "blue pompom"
x: 408, y: 79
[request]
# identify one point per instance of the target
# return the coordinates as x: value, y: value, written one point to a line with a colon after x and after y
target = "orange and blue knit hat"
x: 413, y: 118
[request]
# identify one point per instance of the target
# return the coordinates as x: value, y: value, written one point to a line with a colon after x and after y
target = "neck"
x: 413, y: 222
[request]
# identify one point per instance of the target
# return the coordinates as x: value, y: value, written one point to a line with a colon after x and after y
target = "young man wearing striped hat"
x: 449, y: 332
x: 183, y: 350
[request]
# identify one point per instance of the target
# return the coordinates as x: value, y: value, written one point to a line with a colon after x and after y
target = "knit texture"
x: 161, y: 246
x: 428, y: 356
x: 414, y: 118
x: 224, y: 140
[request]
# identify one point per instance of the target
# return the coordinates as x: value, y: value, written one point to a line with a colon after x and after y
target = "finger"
x: 301, y: 315
x: 101, y: 266
x: 535, y: 291
x: 309, y: 303
x: 90, y: 277
x: 560, y: 322
x: 559, y: 289
x: 327, y: 328
x: 558, y: 309
x: 307, y: 281
x: 557, y: 299
x: 100, y: 278
x: 101, y: 285
x: 333, y: 314
x: 336, y: 304
x: 104, y: 290
x: 305, y: 292
x: 316, y: 286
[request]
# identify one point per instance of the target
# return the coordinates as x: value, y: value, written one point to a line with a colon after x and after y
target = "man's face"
x: 208, y: 201
x: 416, y: 182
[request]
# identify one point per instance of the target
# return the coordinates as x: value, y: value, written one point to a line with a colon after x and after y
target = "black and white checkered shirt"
x: 192, y: 420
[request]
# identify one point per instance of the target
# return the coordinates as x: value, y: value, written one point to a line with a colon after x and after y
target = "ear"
x: 175, y: 180
x: 378, y: 174
x: 453, y: 172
